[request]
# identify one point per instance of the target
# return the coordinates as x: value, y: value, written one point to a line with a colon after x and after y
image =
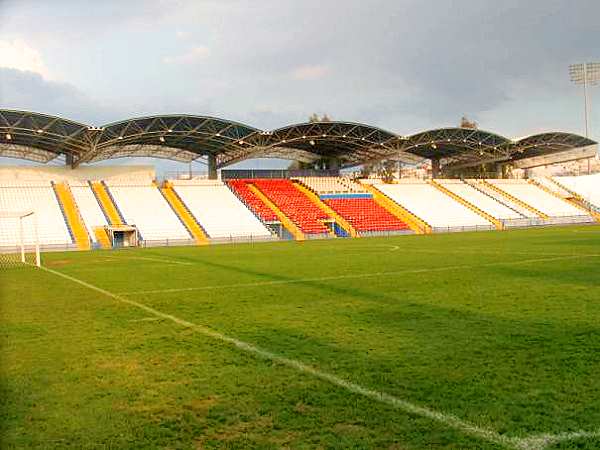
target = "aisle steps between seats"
x: 72, y: 216
x: 514, y: 199
x: 285, y: 221
x: 467, y: 204
x: 102, y: 237
x: 184, y: 214
x: 106, y: 203
x: 415, y: 223
x: 347, y: 226
x: 574, y: 203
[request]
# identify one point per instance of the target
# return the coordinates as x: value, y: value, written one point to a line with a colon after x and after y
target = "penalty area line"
x: 539, y: 442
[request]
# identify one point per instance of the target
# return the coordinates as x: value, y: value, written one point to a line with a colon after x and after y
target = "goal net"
x: 19, y: 244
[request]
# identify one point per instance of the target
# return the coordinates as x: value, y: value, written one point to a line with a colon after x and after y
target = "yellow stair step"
x: 514, y: 199
x: 72, y: 215
x: 467, y: 204
x: 102, y: 237
x: 347, y: 226
x: 106, y: 203
x: 285, y: 221
x: 184, y: 215
x: 415, y: 223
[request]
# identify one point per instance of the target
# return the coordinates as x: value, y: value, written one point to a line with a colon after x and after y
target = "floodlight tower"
x: 587, y: 74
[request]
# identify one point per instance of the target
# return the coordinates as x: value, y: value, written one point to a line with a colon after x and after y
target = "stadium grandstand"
x: 84, y: 206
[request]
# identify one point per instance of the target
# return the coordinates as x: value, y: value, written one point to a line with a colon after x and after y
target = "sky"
x: 403, y: 65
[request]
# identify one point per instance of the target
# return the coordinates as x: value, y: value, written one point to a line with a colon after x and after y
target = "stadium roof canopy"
x: 42, y: 138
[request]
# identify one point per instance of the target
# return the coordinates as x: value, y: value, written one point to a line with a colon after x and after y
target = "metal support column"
x: 212, y: 167
x: 435, y: 168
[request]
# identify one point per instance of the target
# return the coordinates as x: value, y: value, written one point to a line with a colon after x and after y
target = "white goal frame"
x: 26, y: 249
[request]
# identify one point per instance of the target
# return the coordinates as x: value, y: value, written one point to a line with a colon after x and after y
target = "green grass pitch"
x: 484, y: 340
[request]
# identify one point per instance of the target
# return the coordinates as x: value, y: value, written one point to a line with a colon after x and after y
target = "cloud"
x: 404, y: 65
x: 17, y: 54
x: 190, y: 57
x: 26, y: 90
x: 310, y: 72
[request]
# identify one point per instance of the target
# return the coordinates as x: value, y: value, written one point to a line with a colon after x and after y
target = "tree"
x: 386, y: 171
x: 314, y: 117
x: 466, y: 123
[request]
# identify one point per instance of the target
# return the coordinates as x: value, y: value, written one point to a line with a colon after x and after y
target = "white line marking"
x: 146, y: 319
x: 545, y: 440
x: 446, y: 419
x: 353, y: 276
x: 161, y: 260
x: 449, y: 420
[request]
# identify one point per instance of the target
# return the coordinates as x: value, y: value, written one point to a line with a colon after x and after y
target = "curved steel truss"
x: 40, y: 137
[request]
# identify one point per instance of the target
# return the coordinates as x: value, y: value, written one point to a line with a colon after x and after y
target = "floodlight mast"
x: 587, y: 74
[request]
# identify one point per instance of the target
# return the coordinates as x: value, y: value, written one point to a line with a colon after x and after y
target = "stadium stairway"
x: 113, y: 216
x: 514, y: 199
x: 575, y: 199
x: 102, y: 237
x: 184, y: 214
x: 347, y: 226
x: 288, y: 224
x: 577, y: 205
x: 252, y: 202
x: 295, y: 206
x: 73, y: 218
x: 467, y: 204
x: 498, y: 198
x: 415, y: 223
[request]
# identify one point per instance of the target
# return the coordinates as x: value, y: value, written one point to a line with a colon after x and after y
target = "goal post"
x: 19, y: 240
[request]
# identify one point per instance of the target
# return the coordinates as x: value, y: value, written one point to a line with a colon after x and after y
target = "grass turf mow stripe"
x: 468, y: 341
x: 353, y: 276
x: 526, y: 443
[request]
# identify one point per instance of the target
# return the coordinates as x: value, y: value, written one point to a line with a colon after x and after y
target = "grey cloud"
x: 29, y: 91
x: 404, y: 65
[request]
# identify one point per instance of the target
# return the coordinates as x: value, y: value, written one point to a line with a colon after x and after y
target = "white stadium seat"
x: 37, y: 196
x: 89, y: 208
x: 536, y: 197
x: 433, y: 206
x: 586, y: 186
x: 482, y: 201
x: 479, y: 185
x: 331, y: 185
x: 218, y: 210
x: 146, y: 208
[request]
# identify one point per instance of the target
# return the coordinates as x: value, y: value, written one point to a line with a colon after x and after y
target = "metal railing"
x: 276, y: 173
x: 459, y: 229
x: 243, y: 239
x: 540, y: 222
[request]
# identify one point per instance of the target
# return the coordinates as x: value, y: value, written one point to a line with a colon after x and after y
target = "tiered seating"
x: 552, y: 186
x: 365, y: 215
x: 482, y: 201
x: 487, y: 190
x: 240, y: 187
x: 432, y: 206
x: 586, y: 186
x: 294, y: 204
x: 330, y: 185
x: 541, y: 200
x: 218, y: 210
x: 37, y: 196
x: 90, y: 210
x: 146, y: 208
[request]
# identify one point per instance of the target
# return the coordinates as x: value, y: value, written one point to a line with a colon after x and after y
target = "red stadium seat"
x: 294, y: 204
x: 365, y: 214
